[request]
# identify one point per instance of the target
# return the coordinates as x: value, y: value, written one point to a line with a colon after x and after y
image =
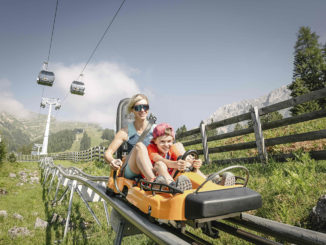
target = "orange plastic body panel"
x: 162, y: 205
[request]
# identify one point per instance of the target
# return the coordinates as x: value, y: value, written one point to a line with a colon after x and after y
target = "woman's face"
x: 164, y: 143
x: 142, y: 113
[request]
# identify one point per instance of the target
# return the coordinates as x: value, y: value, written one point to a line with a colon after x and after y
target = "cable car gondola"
x: 57, y: 106
x: 45, y: 77
x: 43, y: 103
x: 77, y: 87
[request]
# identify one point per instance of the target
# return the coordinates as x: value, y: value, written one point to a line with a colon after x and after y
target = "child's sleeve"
x: 151, y: 149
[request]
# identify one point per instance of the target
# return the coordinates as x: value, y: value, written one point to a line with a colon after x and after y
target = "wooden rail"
x: 201, y: 136
x: 92, y: 154
x: 260, y: 143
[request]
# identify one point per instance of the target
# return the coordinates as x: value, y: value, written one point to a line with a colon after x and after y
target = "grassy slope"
x: 289, y: 192
x: 304, y: 127
x: 95, y: 135
x: 32, y: 201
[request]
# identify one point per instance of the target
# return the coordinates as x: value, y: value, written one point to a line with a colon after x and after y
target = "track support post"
x: 73, y: 187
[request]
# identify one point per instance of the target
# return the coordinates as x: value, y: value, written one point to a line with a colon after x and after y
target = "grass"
x: 289, y: 191
x: 95, y: 135
x: 32, y: 201
x: 298, y: 128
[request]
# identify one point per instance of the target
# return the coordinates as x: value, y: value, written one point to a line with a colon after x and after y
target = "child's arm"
x: 180, y: 164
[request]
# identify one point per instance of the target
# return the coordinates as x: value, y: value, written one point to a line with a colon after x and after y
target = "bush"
x: 12, y: 158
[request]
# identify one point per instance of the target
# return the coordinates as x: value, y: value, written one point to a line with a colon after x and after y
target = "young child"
x: 165, y: 156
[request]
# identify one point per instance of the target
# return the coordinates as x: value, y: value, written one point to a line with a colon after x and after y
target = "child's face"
x: 164, y: 143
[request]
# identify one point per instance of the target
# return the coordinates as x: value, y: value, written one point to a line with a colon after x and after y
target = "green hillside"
x: 19, y: 133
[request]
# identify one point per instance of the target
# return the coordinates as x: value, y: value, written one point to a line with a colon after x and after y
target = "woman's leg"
x: 139, y: 162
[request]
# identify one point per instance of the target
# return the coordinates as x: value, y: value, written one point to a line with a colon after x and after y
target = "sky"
x: 189, y: 57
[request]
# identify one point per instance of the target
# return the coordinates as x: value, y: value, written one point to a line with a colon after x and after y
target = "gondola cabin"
x: 45, y: 78
x: 57, y: 107
x: 77, y: 88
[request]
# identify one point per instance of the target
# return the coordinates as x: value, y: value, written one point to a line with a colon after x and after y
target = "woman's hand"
x: 196, y: 163
x: 115, y: 164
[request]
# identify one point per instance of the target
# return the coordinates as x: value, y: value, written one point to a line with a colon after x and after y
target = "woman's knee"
x: 140, y: 147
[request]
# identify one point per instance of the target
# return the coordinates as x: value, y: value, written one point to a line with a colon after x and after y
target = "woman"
x: 139, y: 162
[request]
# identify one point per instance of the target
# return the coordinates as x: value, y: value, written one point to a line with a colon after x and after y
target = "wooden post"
x: 99, y: 155
x: 260, y: 142
x: 202, y: 127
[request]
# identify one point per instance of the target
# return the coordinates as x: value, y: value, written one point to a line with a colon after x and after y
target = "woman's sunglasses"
x: 140, y: 107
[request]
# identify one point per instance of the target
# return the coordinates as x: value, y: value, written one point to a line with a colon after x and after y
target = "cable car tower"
x: 57, y: 106
x: 38, y: 147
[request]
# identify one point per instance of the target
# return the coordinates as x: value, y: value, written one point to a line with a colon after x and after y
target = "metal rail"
x: 152, y: 230
x: 163, y: 234
x: 282, y: 231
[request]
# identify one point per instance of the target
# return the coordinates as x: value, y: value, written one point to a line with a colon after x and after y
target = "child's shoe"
x: 183, y: 183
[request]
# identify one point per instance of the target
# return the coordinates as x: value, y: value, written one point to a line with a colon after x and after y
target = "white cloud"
x: 106, y: 84
x: 7, y: 101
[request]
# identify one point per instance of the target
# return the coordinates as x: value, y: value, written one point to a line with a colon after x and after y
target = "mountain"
x: 238, y: 108
x: 22, y: 131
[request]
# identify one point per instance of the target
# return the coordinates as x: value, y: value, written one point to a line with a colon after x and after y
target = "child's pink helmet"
x: 161, y: 128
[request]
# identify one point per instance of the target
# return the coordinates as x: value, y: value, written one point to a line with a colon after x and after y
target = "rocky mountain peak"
x: 238, y: 108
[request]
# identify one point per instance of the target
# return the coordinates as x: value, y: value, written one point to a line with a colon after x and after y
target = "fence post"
x: 204, y: 141
x: 99, y: 155
x: 260, y: 142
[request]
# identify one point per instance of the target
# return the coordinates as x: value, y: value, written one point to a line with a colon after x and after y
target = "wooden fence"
x: 92, y: 154
x: 260, y: 143
x: 254, y: 114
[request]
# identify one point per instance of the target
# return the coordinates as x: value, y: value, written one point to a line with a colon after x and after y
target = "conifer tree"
x: 108, y: 134
x: 323, y: 101
x: 85, y: 142
x: 308, y: 69
x: 180, y: 130
x: 2, y: 150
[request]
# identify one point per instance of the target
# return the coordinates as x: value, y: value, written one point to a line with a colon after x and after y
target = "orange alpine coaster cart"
x: 206, y: 200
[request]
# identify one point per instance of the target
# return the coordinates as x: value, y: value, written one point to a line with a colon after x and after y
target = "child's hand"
x: 181, y: 165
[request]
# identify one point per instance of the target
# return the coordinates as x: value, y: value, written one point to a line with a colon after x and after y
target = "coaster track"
x: 83, y: 184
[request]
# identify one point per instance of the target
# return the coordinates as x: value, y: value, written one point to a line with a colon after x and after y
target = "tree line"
x: 61, y: 141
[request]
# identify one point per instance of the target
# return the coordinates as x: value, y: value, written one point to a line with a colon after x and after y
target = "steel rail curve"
x: 163, y: 234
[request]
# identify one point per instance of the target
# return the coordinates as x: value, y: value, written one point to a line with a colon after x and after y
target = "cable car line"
x: 78, y: 87
x: 46, y: 77
x: 102, y: 36
x: 55, y: 16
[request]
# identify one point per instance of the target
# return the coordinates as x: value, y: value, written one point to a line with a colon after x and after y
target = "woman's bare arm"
x: 119, y: 138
